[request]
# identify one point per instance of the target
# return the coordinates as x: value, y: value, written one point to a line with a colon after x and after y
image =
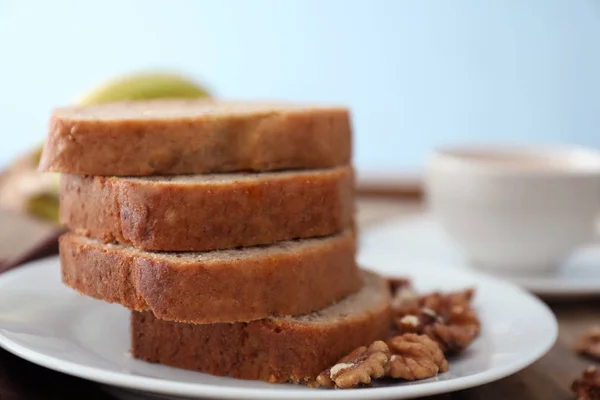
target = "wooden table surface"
x: 548, y: 379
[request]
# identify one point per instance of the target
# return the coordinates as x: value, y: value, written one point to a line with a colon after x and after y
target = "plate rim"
x: 184, y: 389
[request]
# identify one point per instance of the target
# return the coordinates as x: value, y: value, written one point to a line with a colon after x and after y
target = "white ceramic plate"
x: 419, y: 240
x: 51, y: 325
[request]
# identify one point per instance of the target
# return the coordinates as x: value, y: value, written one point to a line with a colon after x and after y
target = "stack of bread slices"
x: 226, y: 227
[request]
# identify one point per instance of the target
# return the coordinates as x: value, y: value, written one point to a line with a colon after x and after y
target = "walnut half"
x: 357, y: 368
x: 415, y: 357
x: 409, y: 357
x: 459, y: 328
x: 588, y: 386
x: 449, y: 319
x: 589, y: 344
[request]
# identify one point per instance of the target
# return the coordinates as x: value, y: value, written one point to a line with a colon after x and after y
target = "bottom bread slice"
x: 278, y: 349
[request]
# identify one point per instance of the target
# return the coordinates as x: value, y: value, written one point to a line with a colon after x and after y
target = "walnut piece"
x: 589, y: 344
x: 398, y: 283
x: 459, y: 328
x: 449, y: 319
x: 417, y: 322
x: 587, y: 387
x: 357, y: 368
x: 403, y: 295
x: 415, y: 357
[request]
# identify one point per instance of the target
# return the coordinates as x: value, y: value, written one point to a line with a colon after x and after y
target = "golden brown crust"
x: 125, y: 139
x: 247, y: 284
x: 273, y: 350
x: 175, y: 216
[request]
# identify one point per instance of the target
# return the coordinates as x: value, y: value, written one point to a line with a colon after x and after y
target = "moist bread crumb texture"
x: 227, y: 228
x: 292, y: 349
x: 209, y: 212
x: 286, y: 278
x: 173, y: 137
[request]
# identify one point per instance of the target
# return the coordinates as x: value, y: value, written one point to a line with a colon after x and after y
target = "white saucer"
x: 420, y: 241
x: 51, y: 325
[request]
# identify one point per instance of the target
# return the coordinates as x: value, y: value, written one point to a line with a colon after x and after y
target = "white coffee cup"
x: 514, y: 208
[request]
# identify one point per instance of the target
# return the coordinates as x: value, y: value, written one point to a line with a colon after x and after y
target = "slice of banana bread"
x: 209, y: 212
x: 286, y: 278
x: 290, y: 349
x: 177, y: 136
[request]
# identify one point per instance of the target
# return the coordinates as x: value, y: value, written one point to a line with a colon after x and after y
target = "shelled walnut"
x: 459, y: 327
x: 589, y: 344
x: 410, y: 357
x: 403, y: 294
x: 587, y: 387
x: 449, y: 319
x: 357, y: 368
x: 415, y: 357
x: 427, y: 328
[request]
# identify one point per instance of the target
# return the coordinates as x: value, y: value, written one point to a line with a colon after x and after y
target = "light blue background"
x: 416, y: 73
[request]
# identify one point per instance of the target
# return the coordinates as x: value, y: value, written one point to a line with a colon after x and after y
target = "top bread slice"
x: 171, y: 137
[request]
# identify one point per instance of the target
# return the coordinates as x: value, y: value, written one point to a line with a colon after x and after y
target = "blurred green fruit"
x: 144, y: 86
x: 24, y: 189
